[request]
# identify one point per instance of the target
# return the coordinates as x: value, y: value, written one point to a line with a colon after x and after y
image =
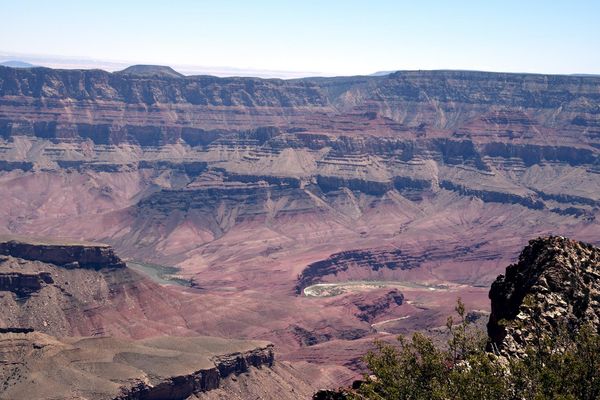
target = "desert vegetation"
x: 563, y: 365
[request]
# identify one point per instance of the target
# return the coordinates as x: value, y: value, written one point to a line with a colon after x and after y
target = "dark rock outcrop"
x: 555, y: 283
x: 329, y: 183
x: 12, y: 165
x: 371, y: 310
x: 236, y: 363
x: 308, y: 338
x: 75, y: 255
x: 23, y: 284
x: 330, y: 395
x: 373, y: 259
x: 493, y: 196
x: 16, y: 330
x: 191, y: 168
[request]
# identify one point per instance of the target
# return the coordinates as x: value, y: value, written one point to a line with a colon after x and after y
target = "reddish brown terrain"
x: 406, y: 191
x: 136, y: 342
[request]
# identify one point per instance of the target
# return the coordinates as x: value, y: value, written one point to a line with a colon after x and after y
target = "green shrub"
x: 564, y: 365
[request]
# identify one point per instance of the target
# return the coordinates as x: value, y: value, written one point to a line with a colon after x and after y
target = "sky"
x: 312, y: 37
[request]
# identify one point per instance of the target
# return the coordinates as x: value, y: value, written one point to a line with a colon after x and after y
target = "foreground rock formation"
x: 556, y: 283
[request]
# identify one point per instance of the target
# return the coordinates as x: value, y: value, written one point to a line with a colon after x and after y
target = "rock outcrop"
x: 555, y: 283
x: 67, y: 289
x: 369, y: 310
x: 23, y: 284
x: 362, y: 262
x: 67, y: 255
x: 164, y: 368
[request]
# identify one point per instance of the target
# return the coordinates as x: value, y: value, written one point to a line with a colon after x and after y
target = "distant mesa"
x: 382, y: 73
x: 151, y: 71
x: 17, y: 64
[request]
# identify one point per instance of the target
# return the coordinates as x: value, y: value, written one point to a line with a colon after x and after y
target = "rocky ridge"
x: 36, y: 365
x: 369, y: 310
x: 382, y: 259
x: 555, y: 283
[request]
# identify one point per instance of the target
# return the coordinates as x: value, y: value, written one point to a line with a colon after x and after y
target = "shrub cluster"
x: 561, y: 365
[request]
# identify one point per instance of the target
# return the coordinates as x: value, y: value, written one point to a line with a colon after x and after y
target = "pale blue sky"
x: 331, y: 37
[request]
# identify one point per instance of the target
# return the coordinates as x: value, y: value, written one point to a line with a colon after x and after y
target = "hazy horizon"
x: 273, y: 39
x: 59, y: 62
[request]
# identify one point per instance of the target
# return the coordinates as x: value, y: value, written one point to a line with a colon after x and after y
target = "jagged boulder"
x: 555, y: 283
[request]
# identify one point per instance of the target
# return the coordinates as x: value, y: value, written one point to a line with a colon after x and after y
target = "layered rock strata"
x: 484, y: 131
x: 244, y: 184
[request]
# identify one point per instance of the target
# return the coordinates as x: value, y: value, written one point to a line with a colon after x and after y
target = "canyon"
x: 254, y: 189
